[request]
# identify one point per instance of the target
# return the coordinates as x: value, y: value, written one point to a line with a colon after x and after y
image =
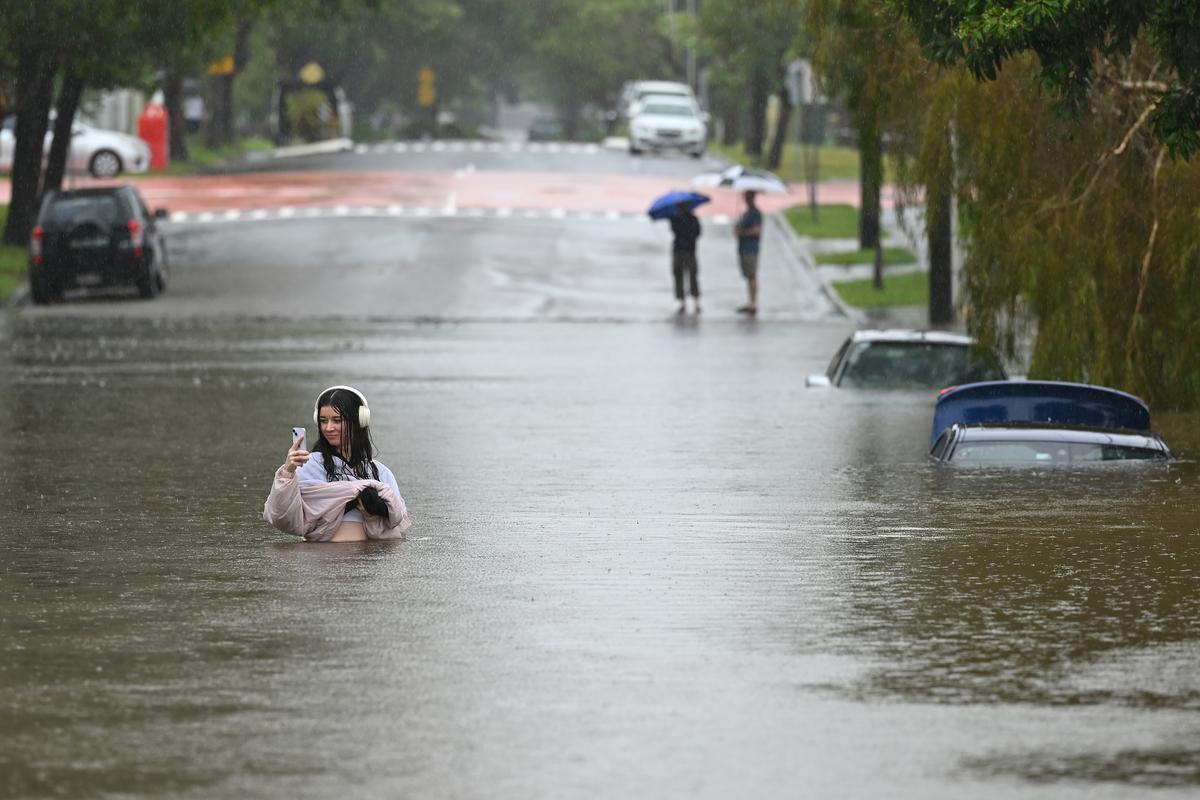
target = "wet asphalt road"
x: 645, y: 561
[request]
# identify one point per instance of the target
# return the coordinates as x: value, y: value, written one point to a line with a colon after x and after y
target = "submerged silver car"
x: 908, y: 359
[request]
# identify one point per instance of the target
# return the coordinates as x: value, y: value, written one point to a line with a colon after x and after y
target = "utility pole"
x: 691, y: 45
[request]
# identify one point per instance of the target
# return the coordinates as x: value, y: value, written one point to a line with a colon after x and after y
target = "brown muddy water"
x: 646, y: 561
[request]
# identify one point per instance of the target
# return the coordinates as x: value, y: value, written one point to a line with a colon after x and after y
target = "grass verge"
x: 911, y: 289
x: 832, y: 222
x: 891, y: 256
x: 833, y: 163
x: 201, y: 157
x: 12, y: 262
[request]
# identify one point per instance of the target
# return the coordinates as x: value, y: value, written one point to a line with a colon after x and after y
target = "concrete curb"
x: 803, y: 256
x: 18, y: 297
x: 315, y: 148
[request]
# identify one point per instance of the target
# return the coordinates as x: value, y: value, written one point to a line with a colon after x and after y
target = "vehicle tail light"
x: 947, y: 389
x: 35, y: 244
x: 137, y: 237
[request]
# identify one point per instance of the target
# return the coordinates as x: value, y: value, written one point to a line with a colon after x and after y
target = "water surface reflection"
x: 646, y: 561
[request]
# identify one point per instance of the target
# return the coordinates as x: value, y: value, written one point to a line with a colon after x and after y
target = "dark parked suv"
x: 88, y: 238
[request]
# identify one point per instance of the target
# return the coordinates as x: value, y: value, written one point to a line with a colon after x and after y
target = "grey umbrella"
x: 743, y: 179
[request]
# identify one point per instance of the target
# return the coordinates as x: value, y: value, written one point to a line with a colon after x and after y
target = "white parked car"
x: 103, y: 153
x: 635, y: 92
x: 663, y: 122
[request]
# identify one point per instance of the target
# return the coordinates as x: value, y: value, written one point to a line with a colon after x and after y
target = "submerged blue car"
x: 1041, y: 422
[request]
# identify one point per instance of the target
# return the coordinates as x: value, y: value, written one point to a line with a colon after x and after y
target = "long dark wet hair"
x: 362, y: 449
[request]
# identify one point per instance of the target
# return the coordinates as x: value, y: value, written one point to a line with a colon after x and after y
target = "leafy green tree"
x: 587, y: 48
x: 855, y: 48
x: 1071, y: 40
x: 750, y: 44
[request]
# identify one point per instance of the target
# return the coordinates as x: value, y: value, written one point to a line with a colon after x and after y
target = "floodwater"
x: 646, y: 561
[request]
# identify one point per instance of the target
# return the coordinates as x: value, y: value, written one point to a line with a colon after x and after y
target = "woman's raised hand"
x: 297, y: 456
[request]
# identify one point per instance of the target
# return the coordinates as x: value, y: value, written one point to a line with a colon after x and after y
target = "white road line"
x: 449, y: 210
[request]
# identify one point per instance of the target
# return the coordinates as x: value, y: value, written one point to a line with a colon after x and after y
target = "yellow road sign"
x: 426, y: 87
x: 222, y: 66
x: 312, y: 73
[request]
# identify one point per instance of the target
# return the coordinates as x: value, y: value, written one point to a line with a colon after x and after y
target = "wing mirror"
x: 818, y: 381
x: 161, y: 213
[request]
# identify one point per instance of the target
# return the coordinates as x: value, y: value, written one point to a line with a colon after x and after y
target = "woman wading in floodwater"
x: 339, y: 492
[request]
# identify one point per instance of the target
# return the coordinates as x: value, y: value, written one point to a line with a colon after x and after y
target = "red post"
x: 152, y: 129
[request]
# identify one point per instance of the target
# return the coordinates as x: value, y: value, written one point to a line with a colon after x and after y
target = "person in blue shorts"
x: 749, y: 230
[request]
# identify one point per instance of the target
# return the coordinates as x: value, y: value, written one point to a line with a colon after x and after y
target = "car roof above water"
x: 907, y: 335
x: 1039, y: 433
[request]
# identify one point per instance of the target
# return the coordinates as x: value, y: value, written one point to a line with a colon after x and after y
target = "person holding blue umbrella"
x: 678, y: 207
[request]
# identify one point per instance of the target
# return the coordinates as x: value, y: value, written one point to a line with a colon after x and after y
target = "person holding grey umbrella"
x: 749, y: 231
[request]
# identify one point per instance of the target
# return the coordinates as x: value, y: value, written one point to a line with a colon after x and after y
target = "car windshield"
x: 104, y: 210
x: 669, y: 111
x: 900, y: 365
x: 1016, y: 452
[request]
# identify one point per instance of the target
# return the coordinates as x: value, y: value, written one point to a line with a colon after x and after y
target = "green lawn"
x: 899, y: 290
x: 832, y: 222
x: 833, y: 163
x: 891, y: 255
x: 201, y: 157
x: 12, y: 262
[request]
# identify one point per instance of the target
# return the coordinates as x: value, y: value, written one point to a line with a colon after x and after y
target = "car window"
x: 917, y: 365
x: 939, y: 449
x: 837, y: 359
x: 668, y: 111
x: 65, y: 211
x: 1010, y: 452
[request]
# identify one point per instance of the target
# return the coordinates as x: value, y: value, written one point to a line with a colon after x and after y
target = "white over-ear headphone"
x: 364, y: 413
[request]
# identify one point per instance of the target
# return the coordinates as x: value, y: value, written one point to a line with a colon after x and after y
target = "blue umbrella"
x: 664, y: 207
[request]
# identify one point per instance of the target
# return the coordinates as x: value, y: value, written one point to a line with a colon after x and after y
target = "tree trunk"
x: 34, y: 90
x: 775, y: 156
x: 941, y: 274
x: 756, y: 134
x: 220, y: 128
x: 731, y: 128
x: 870, y: 154
x: 64, y: 120
x: 177, y: 125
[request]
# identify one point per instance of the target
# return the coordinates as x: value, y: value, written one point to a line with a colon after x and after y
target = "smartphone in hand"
x: 298, y: 434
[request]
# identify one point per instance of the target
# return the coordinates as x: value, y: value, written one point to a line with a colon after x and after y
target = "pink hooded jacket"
x: 314, y: 511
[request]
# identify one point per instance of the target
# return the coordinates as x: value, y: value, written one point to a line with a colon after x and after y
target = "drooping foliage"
x: 1081, y: 252
x: 1067, y: 36
x: 1080, y: 233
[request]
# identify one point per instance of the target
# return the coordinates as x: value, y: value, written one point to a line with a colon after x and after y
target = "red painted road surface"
x: 461, y: 190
